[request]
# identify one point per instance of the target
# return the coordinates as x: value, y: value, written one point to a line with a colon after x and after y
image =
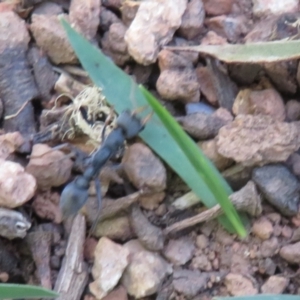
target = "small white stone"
x: 153, y: 27
x: 111, y: 259
x: 17, y: 186
x: 274, y: 7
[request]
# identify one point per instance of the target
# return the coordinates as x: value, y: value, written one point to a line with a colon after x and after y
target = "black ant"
x: 75, y: 194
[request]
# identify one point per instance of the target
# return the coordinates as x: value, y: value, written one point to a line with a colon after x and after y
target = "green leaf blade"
x: 261, y: 52
x: 203, y: 166
x: 261, y: 297
x: 21, y: 291
x: 123, y: 93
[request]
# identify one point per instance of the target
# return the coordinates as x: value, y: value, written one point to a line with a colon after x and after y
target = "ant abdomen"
x: 73, y: 197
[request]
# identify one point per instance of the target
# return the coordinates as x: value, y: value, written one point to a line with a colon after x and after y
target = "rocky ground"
x: 163, y: 244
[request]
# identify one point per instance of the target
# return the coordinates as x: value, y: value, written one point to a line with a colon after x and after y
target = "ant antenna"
x: 139, y: 110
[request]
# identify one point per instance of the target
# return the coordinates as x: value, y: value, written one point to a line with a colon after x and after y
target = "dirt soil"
x: 153, y: 239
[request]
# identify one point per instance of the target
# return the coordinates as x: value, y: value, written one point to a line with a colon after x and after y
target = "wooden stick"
x: 73, y: 275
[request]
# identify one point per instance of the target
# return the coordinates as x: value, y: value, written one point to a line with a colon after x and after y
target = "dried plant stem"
x: 246, y: 199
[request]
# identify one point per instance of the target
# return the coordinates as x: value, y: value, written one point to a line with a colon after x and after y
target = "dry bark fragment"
x: 39, y: 243
x: 14, y: 68
x: 44, y: 75
x: 73, y: 275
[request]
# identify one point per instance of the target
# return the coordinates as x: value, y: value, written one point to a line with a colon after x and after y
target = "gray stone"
x: 279, y: 186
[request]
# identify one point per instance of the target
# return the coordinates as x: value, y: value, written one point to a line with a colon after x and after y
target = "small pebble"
x: 202, y: 241
x: 294, y: 163
x: 296, y: 235
x: 178, y: 84
x: 296, y: 220
x: 189, y: 283
x: 211, y: 255
x: 262, y: 8
x: 287, y: 232
x: 191, y: 108
x: 161, y: 210
x: 275, y: 285
x: 262, y: 228
x: 89, y: 248
x: 223, y: 237
x: 4, y: 277
x: 209, y: 148
x: 118, y: 293
x: 218, y: 7
x: 239, y: 285
x: 115, y: 228
x: 56, y: 163
x: 202, y: 263
x: 277, y: 230
x: 111, y: 259
x: 207, y: 85
x: 17, y: 186
x: 144, y: 169
x: 269, y: 247
x: 165, y: 21
x: 291, y: 253
x: 180, y: 251
x: 279, y: 186
x: 55, y: 262
x: 129, y: 9
x: 267, y: 266
x: 229, y: 27
x: 51, y: 37
x: 274, y: 217
x: 216, y: 264
x: 114, y: 45
x: 249, y: 138
x: 292, y: 110
x: 152, y: 266
x: 192, y: 20
x: 84, y: 17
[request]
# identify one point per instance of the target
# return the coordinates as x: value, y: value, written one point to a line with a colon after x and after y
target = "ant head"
x: 130, y: 123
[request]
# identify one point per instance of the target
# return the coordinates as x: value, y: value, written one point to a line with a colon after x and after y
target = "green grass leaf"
x: 203, y: 166
x: 23, y: 291
x: 261, y: 297
x: 123, y: 93
x: 261, y: 52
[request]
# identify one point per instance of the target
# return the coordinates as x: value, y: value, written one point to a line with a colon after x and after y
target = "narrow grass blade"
x: 261, y: 297
x: 123, y: 93
x: 201, y: 163
x: 22, y: 291
x: 249, y: 53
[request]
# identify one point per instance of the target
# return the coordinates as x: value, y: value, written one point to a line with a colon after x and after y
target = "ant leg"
x: 108, y: 120
x: 147, y: 118
x: 59, y: 147
x: 99, y: 200
x: 103, y: 132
